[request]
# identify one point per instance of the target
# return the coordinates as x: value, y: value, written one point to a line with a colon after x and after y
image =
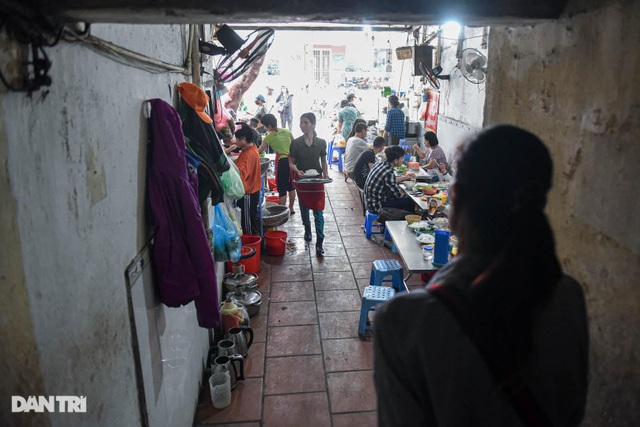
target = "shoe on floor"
x: 319, y: 249
x: 307, y: 233
x: 292, y: 213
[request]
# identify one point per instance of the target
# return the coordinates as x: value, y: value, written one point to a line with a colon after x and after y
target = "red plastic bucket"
x: 254, y: 241
x: 273, y: 199
x: 276, y: 242
x: 247, y: 260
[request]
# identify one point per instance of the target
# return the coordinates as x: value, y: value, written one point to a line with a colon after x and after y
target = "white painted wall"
x: 461, y: 102
x: 76, y: 167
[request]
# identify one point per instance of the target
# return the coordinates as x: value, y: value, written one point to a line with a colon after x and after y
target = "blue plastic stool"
x: 330, y: 151
x: 383, y: 268
x: 340, y: 155
x: 369, y: 218
x: 371, y: 297
x: 387, y: 236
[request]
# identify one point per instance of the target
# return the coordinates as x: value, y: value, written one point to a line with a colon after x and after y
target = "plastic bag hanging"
x: 232, y: 182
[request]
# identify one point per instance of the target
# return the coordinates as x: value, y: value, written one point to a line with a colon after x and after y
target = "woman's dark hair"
x: 355, y: 123
x: 269, y: 120
x: 312, y: 119
x: 245, y: 132
x: 503, y: 176
x: 394, y: 152
x: 344, y: 103
x: 309, y: 116
x: 432, y: 138
x: 394, y: 101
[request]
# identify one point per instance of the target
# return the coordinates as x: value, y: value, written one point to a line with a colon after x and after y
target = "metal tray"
x: 313, y: 180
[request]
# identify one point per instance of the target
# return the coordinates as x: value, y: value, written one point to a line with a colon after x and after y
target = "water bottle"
x: 441, y: 247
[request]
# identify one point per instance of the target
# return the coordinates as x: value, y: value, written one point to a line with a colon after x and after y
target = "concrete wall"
x: 72, y: 191
x: 574, y: 82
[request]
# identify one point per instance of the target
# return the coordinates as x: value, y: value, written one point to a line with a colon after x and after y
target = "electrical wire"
x: 39, y: 33
x: 123, y: 55
x: 130, y: 58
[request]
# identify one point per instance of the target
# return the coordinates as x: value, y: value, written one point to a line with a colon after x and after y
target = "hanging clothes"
x: 204, y: 142
x: 183, y: 264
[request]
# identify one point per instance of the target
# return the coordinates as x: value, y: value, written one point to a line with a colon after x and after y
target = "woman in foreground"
x: 521, y: 315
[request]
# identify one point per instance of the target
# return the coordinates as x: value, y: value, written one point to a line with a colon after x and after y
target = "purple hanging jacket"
x: 182, y: 259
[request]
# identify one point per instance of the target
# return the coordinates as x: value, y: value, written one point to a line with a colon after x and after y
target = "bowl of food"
x: 429, y: 190
x: 440, y: 223
x: 409, y: 184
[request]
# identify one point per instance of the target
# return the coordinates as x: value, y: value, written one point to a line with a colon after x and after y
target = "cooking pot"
x: 250, y: 299
x: 246, y: 281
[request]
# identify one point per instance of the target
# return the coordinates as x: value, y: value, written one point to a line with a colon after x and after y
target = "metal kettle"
x: 233, y: 364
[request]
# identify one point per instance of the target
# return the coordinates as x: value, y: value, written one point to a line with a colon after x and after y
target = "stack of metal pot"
x: 242, y: 287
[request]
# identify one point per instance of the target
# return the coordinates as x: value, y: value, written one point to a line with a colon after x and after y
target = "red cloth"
x: 311, y: 196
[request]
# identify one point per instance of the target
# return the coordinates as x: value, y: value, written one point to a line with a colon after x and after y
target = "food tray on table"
x: 316, y: 180
x: 274, y: 215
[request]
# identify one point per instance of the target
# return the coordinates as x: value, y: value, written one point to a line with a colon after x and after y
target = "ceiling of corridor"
x: 381, y: 12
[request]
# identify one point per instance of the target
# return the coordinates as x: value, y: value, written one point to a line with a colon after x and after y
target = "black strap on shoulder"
x: 502, y: 365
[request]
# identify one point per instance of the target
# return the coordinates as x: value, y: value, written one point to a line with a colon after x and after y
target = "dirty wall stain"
x: 94, y: 177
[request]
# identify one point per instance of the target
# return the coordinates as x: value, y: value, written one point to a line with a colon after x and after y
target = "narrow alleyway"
x: 307, y: 365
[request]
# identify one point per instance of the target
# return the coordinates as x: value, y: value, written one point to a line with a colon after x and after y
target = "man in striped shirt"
x: 381, y: 188
x: 394, y: 129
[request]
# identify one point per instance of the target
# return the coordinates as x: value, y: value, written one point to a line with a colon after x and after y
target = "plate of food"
x: 426, y: 238
x: 311, y: 173
x: 420, y: 225
x: 401, y: 169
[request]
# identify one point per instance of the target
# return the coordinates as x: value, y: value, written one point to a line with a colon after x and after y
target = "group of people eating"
x: 520, y: 311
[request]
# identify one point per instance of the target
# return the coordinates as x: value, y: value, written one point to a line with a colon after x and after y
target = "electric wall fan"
x: 473, y: 65
x: 233, y: 65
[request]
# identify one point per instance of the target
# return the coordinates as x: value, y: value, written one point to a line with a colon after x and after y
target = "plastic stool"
x: 387, y: 237
x: 382, y: 268
x: 330, y: 153
x: 369, y: 218
x: 371, y: 297
x: 340, y: 155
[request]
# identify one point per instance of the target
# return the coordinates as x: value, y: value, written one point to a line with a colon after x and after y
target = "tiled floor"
x: 307, y: 365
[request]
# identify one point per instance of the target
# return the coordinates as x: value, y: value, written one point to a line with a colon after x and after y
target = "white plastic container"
x: 427, y: 252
